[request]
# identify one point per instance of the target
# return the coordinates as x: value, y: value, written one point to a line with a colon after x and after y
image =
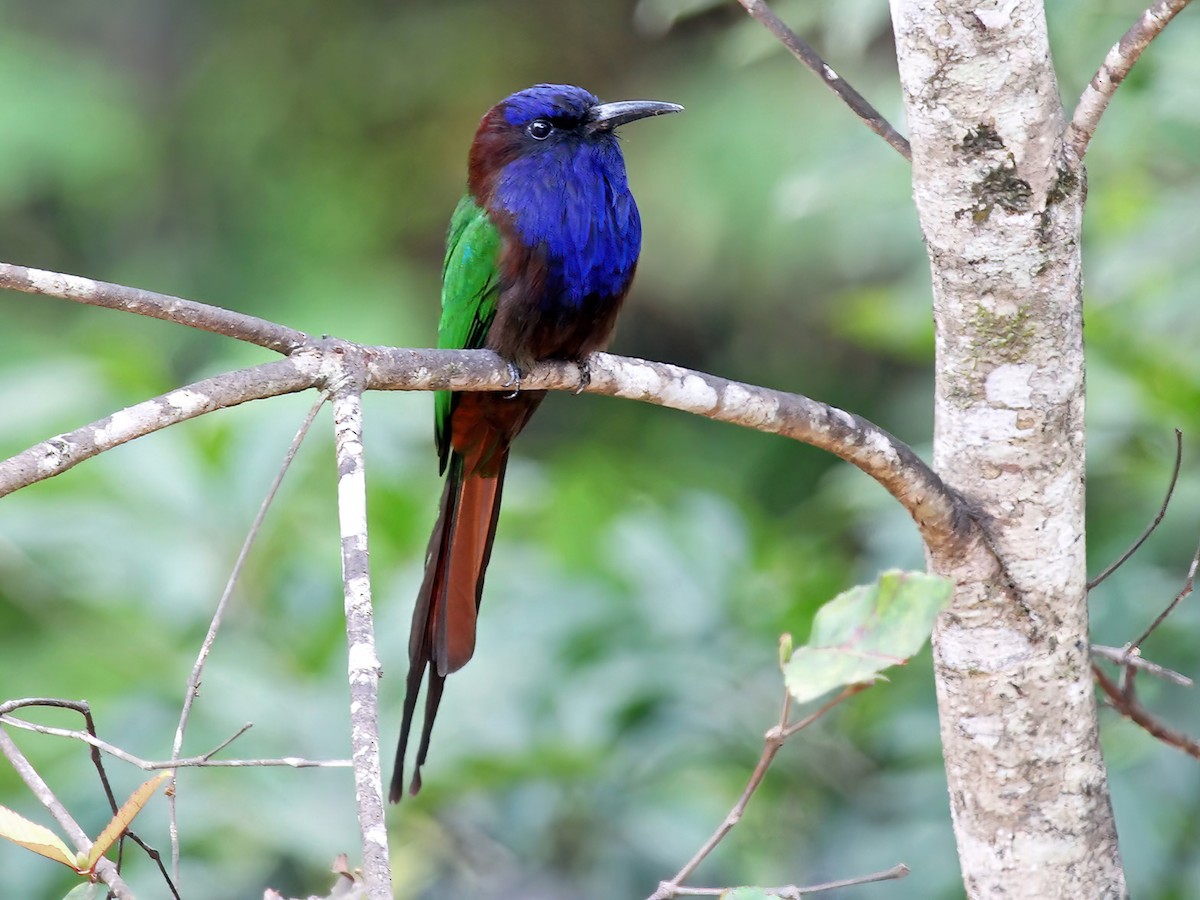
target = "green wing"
x: 470, y: 287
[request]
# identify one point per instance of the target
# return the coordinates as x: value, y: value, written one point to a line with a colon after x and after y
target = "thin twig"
x: 858, y: 104
x: 194, y: 762
x: 1130, y: 656
x: 1136, y: 713
x: 774, y: 739
x: 1117, y: 64
x: 793, y: 892
x: 1184, y: 592
x: 363, y: 661
x: 193, y: 682
x: 214, y: 319
x: 1162, y: 511
x: 105, y: 869
x: 84, y: 710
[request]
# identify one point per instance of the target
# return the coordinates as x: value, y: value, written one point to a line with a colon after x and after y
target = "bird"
x: 540, y: 254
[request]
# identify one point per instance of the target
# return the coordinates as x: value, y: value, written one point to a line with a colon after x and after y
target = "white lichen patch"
x: 122, y: 425
x: 988, y: 428
x: 58, y: 284
x: 362, y: 658
x: 882, y: 447
x: 753, y: 409
x: 352, y: 501
x: 1009, y: 386
x: 985, y: 730
x: 691, y: 392
x: 187, y: 402
x: 987, y: 649
x: 637, y: 380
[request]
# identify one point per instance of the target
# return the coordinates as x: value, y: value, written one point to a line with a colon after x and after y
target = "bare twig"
x: 363, y: 661
x: 1135, y: 712
x: 250, y: 329
x: 792, y: 892
x: 193, y: 683
x: 89, y: 735
x: 772, y: 742
x: 1130, y: 656
x: 1184, y: 592
x: 858, y: 104
x: 1162, y: 511
x: 203, y: 761
x: 1117, y: 64
x: 106, y: 870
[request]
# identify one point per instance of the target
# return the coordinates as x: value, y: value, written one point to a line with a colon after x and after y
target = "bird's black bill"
x: 607, y: 116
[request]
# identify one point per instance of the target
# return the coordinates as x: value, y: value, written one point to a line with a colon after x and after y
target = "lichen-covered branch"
x: 246, y: 328
x: 56, y: 455
x: 1117, y: 64
x: 944, y: 522
x: 345, y: 378
x: 858, y: 104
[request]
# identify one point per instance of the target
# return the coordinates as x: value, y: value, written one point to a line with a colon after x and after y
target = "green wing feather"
x: 470, y: 288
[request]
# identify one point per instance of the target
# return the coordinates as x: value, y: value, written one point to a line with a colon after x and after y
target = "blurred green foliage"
x: 299, y: 160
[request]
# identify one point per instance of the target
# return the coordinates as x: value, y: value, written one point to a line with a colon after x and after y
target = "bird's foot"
x: 585, y: 375
x: 514, y: 380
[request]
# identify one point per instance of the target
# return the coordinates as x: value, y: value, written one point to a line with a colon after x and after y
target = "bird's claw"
x: 514, y: 380
x: 585, y: 375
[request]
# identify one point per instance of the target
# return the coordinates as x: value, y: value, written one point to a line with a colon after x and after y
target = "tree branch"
x: 858, y: 104
x: 246, y: 328
x: 1131, y: 709
x: 363, y: 662
x: 1117, y: 64
x: 57, y: 454
x: 945, y: 523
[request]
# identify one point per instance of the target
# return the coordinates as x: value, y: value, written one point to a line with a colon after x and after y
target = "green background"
x: 299, y: 161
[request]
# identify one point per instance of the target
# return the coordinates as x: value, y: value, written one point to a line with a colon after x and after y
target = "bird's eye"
x: 539, y: 129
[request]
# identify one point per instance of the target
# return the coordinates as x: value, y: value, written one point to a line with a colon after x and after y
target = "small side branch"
x: 1154, y: 523
x: 772, y: 743
x: 203, y: 761
x: 858, y: 104
x: 192, y: 689
x: 1126, y: 703
x: 106, y: 870
x: 62, y: 452
x: 364, y: 666
x: 1117, y: 64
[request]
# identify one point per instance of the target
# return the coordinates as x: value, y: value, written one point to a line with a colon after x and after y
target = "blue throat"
x: 573, y: 201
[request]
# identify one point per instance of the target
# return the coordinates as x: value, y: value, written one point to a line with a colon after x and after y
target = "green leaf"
x: 89, y: 890
x: 864, y: 630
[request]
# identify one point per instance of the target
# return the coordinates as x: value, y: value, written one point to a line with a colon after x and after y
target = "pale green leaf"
x: 865, y: 630
x: 34, y: 837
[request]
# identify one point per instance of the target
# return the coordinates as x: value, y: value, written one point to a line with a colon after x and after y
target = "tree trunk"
x: 1001, y: 216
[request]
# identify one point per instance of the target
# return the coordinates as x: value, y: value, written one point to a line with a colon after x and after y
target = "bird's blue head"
x: 546, y: 160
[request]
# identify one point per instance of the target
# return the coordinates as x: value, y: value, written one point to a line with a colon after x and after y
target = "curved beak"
x: 607, y: 116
